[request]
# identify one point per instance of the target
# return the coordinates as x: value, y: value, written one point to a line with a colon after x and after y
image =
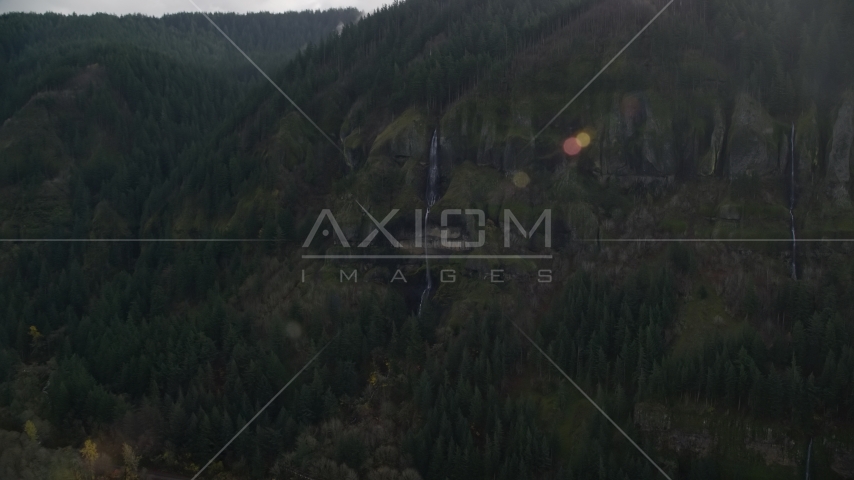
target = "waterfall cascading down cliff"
x: 809, y: 455
x: 792, y: 204
x: 431, y: 197
x: 433, y: 179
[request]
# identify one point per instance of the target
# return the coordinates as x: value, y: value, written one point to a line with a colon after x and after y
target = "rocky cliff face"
x: 839, y: 159
x: 403, y: 138
x: 751, y: 144
x: 620, y: 143
x: 657, y: 146
x: 708, y: 163
x: 487, y: 137
x: 636, y: 141
x: 806, y: 146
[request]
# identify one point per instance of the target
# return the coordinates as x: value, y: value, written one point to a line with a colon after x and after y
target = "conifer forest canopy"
x: 440, y: 240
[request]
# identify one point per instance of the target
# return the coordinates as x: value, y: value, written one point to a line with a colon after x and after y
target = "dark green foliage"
x: 139, y: 332
x: 172, y: 134
x: 42, y: 51
x: 351, y: 451
x: 681, y: 257
x: 471, y: 430
x: 614, y: 336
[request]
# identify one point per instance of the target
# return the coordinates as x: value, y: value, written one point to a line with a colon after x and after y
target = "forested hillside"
x: 726, y: 124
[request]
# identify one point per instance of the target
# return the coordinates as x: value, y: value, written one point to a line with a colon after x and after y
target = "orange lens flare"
x: 572, y: 147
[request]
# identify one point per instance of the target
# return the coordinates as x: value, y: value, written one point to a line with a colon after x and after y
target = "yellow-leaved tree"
x: 90, y: 454
x: 36, y: 337
x: 31, y: 430
x: 131, y: 460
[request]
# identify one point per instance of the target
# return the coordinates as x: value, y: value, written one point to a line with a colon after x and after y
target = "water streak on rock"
x: 792, y: 204
x: 431, y: 198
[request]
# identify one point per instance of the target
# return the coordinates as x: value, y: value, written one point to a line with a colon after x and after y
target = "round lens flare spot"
x: 572, y: 147
x: 583, y: 139
x: 521, y: 179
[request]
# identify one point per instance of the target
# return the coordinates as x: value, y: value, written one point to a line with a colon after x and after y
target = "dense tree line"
x: 42, y: 51
x: 172, y: 135
x: 126, y: 100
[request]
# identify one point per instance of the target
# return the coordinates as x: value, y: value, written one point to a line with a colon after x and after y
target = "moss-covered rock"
x: 405, y: 137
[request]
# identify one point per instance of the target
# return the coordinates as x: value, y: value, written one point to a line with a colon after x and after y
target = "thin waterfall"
x: 792, y: 204
x: 431, y: 197
x: 433, y: 180
x: 809, y: 454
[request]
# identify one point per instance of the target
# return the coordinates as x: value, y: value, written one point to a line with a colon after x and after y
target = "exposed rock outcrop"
x: 656, y: 419
x: 700, y: 444
x: 839, y: 159
x: 637, y: 141
x: 783, y: 151
x: 806, y: 147
x: 472, y: 132
x: 843, y: 460
x: 709, y: 162
x: 651, y: 417
x: 619, y: 143
x: 403, y: 138
x: 657, y: 135
x: 751, y: 140
x: 486, y: 152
